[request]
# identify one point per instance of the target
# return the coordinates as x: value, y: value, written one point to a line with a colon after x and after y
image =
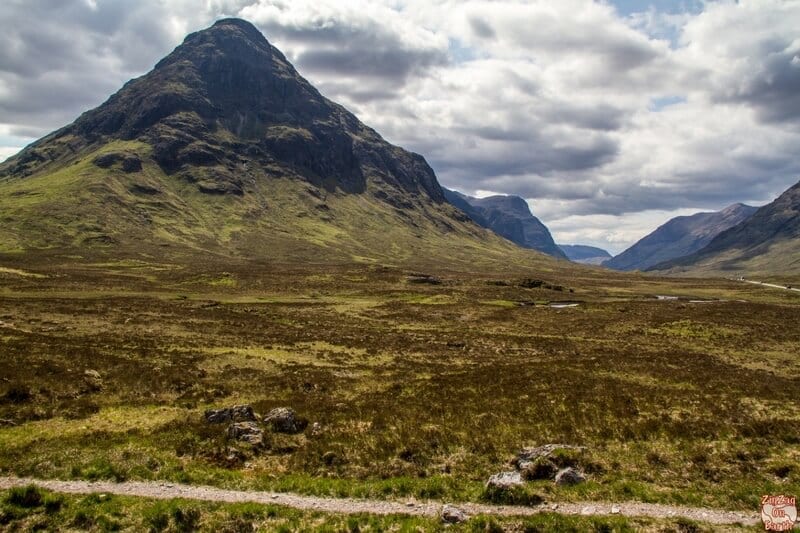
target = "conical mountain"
x: 224, y: 148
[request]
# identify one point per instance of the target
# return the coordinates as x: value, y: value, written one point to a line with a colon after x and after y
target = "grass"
x: 419, y: 390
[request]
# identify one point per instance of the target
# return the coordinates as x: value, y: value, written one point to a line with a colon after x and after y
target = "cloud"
x: 605, y: 119
x: 357, y: 50
x: 750, y: 52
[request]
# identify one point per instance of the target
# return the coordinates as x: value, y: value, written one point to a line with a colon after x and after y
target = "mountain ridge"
x: 678, y: 237
x: 587, y: 255
x: 767, y: 243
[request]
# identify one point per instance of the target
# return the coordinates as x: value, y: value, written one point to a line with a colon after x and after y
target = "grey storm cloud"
x: 60, y: 58
x: 382, y: 61
x: 370, y: 52
x: 775, y: 91
x: 532, y: 155
x: 352, y: 51
x: 481, y: 28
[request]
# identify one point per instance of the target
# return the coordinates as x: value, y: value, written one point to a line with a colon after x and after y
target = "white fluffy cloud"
x: 607, y: 123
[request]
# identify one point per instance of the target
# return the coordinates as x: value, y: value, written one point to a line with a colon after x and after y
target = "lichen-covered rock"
x: 92, y: 380
x: 505, y: 480
x: 284, y: 420
x: 248, y: 432
x: 539, y: 468
x: 218, y: 416
x: 453, y: 515
x: 242, y: 413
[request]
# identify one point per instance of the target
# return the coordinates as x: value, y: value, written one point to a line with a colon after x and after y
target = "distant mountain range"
x: 679, y: 237
x: 766, y: 243
x: 587, y: 255
x: 224, y: 149
x: 509, y: 217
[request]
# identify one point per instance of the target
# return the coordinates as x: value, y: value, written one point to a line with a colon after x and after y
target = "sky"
x: 609, y: 117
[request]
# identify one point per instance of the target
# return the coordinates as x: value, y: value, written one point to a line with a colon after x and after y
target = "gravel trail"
x: 164, y: 490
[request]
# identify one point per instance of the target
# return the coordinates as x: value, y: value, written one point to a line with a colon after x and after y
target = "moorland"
x: 416, y: 384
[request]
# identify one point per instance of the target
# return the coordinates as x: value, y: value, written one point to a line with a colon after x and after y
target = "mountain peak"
x: 225, y: 100
x: 510, y: 217
x: 509, y: 203
x: 224, y: 146
x: 738, y: 206
x: 237, y: 23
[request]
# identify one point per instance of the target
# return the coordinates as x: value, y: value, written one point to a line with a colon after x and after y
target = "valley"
x: 227, y: 304
x: 414, y: 390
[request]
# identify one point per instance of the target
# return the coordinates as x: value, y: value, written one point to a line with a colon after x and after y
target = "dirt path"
x: 161, y: 490
x: 763, y: 284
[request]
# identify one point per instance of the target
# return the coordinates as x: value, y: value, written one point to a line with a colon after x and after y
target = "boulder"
x: 131, y: 163
x: 242, y: 413
x: 505, y: 480
x: 248, y: 432
x: 569, y: 476
x: 453, y: 515
x: 284, y: 420
x: 218, y: 416
x: 92, y: 380
x: 106, y: 160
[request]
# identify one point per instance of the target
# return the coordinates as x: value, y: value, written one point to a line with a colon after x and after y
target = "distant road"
x: 784, y: 287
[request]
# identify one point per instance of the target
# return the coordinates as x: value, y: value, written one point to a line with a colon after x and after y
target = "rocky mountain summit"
x: 509, y: 217
x: 224, y: 104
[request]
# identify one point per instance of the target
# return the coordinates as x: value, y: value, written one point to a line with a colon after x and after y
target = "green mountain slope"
x: 766, y: 244
x: 223, y: 148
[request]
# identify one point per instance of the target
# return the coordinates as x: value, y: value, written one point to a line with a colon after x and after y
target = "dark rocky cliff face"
x: 509, y: 217
x: 226, y: 99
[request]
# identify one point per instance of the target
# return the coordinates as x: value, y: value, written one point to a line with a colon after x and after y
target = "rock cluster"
x: 237, y: 413
x: 243, y: 422
x: 539, y: 463
x: 129, y: 162
x: 249, y: 432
